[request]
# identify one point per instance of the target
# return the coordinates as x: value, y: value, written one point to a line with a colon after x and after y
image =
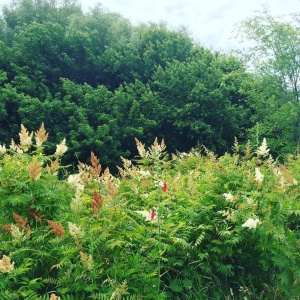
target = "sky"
x: 209, y: 22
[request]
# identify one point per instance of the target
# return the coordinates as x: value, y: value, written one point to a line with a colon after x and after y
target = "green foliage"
x: 197, y: 103
x: 190, y: 226
x: 98, y: 81
x: 275, y: 50
x: 274, y: 94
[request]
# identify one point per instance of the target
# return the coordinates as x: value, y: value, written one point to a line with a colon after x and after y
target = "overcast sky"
x: 210, y: 22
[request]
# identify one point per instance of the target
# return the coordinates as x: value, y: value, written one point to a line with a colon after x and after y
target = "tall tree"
x: 275, y: 48
x: 39, y: 56
x: 24, y: 12
x: 199, y: 101
x: 273, y: 56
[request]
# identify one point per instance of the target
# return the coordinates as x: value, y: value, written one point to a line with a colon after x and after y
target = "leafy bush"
x: 185, y: 226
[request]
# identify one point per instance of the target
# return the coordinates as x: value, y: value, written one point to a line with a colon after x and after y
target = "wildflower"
x: 158, y: 148
x: 56, y: 228
x: 41, y: 136
x: 22, y: 223
x: 61, y: 148
x: 2, y: 149
x: 87, y: 260
x: 228, y: 197
x: 141, y: 148
x: 121, y: 290
x: 152, y: 214
x: 148, y: 215
x: 19, y: 150
x: 75, y: 231
x: 183, y: 155
x: 96, y: 166
x: 15, y: 147
x: 229, y: 214
x: 97, y: 202
x: 76, y: 182
x: 76, y: 204
x: 25, y: 138
x: 262, y: 150
x: 144, y: 173
x: 35, y: 171
x: 259, y: 177
x: 165, y: 186
x: 5, y: 265
x: 159, y: 183
x: 251, y: 223
x: 17, y: 234
x: 52, y: 169
x: 54, y: 297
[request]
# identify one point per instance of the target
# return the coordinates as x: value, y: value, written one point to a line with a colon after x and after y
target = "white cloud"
x: 209, y: 22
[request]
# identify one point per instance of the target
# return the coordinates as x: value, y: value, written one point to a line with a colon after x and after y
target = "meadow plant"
x: 186, y: 226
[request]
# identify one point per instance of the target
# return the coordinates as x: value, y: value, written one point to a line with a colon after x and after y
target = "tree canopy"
x: 100, y: 82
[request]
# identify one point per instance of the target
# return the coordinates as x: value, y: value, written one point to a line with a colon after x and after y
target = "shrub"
x: 185, y: 226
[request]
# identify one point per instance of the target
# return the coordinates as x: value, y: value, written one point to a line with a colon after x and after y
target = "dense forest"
x: 98, y: 81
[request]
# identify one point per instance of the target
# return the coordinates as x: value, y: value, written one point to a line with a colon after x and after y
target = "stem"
x: 159, y: 245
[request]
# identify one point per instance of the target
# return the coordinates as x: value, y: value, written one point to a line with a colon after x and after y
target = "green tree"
x: 199, y: 102
x: 276, y: 47
x: 158, y: 45
x: 39, y: 56
x: 273, y: 55
x: 136, y: 113
x: 89, y: 37
x: 10, y: 103
x: 24, y: 12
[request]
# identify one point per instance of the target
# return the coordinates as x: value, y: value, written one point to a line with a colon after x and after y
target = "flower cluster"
x: 229, y: 214
x: 251, y: 223
x: 54, y: 165
x: 2, y: 149
x: 228, y: 197
x: 259, y: 177
x: 61, y: 148
x: 41, y: 136
x: 75, y: 182
x: 25, y: 139
x: 75, y: 231
x: 263, y: 150
x: 148, y: 215
x: 57, y: 229
x: 15, y: 147
x: 76, y: 203
x: 35, y: 170
x: 5, y: 265
x: 87, y: 260
x: 54, y: 297
x: 155, y: 150
x: 18, y: 234
x: 97, y: 202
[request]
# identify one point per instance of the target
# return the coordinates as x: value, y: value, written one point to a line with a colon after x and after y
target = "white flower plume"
x: 61, y: 148
x: 251, y: 223
x: 263, y: 149
x: 259, y: 177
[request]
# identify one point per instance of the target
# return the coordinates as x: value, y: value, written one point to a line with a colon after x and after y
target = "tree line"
x: 100, y: 82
